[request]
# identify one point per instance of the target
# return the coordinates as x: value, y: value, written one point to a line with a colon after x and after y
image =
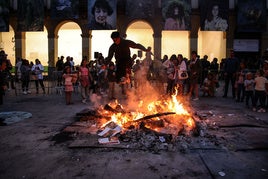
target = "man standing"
x: 60, y: 68
x: 120, y: 49
x: 205, y: 68
x: 195, y: 68
x: 230, y: 68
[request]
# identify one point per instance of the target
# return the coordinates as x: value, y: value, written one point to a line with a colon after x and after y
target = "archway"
x: 70, y: 42
x: 175, y: 42
x: 140, y: 32
x: 37, y: 46
x: 101, y: 41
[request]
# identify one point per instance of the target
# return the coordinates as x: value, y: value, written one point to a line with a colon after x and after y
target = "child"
x: 209, y: 85
x: 85, y: 78
x: 68, y: 84
x: 240, y: 82
x: 261, y: 87
x: 249, y: 88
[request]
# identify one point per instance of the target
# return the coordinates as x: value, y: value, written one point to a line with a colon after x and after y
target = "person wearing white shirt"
x: 37, y: 70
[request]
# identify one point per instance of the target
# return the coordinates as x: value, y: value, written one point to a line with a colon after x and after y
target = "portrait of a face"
x: 214, y: 15
x: 102, y: 14
x: 176, y: 14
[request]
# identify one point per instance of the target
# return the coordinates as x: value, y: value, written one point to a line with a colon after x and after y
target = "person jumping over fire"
x: 120, y: 49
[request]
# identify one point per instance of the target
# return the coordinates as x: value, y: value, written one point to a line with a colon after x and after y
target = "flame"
x: 181, y: 119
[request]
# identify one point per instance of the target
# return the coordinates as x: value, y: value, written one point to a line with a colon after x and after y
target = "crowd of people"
x: 176, y: 75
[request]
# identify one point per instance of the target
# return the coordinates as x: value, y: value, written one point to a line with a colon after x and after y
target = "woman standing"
x: 37, y: 70
x: 25, y: 70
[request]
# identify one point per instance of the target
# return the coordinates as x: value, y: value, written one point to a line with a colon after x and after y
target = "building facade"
x: 123, y: 21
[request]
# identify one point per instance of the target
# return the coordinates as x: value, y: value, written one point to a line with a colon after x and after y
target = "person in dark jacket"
x: 3, y: 79
x: 120, y: 49
x: 230, y: 69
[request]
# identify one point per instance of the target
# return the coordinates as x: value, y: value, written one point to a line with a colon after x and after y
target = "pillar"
x: 264, y: 39
x: 20, y: 44
x: 193, y: 36
x: 52, y: 49
x: 230, y: 33
x: 157, y: 46
x: 86, y: 44
x: 52, y: 53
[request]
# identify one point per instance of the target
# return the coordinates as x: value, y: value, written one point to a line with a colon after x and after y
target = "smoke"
x: 143, y: 91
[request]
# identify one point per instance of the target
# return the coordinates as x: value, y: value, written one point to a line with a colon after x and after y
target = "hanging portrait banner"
x: 4, y: 16
x: 214, y: 15
x: 30, y: 15
x: 251, y: 16
x: 176, y: 14
x: 139, y: 9
x: 64, y: 9
x: 102, y: 14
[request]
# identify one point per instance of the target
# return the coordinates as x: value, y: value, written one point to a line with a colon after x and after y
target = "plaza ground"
x: 234, y: 145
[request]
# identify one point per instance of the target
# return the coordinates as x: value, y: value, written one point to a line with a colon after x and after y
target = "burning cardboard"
x: 110, y: 130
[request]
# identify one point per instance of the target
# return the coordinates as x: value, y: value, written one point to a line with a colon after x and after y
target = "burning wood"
x: 153, y: 116
x: 117, y: 109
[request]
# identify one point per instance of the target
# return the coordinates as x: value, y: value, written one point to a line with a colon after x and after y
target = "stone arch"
x: 60, y: 24
x: 36, y: 46
x: 137, y: 21
x: 69, y: 42
x: 141, y: 32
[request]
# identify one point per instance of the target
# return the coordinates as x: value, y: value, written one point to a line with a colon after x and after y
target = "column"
x: 52, y: 49
x: 264, y: 39
x: 86, y: 44
x: 193, y: 35
x: 52, y: 53
x: 230, y: 32
x: 157, y: 46
x: 20, y: 44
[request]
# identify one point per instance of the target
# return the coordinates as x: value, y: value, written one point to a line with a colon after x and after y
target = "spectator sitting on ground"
x: 209, y: 85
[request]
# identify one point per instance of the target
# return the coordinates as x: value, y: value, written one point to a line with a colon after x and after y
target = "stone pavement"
x: 28, y: 148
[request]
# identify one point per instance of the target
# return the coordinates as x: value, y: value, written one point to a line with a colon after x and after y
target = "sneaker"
x: 84, y: 101
x: 29, y: 92
x: 195, y: 99
x: 24, y: 92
